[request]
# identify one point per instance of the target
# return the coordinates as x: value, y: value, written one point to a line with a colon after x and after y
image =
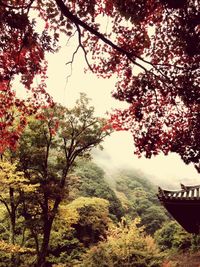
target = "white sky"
x: 166, y: 171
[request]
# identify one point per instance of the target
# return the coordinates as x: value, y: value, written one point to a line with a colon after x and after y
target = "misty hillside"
x: 129, y: 193
x: 136, y: 197
x: 103, y: 221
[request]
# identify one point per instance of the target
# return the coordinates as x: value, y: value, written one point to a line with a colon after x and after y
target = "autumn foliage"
x: 152, y: 46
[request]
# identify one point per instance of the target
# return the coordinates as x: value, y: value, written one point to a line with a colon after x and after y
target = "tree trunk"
x: 12, y: 232
x: 12, y: 217
x: 12, y: 226
x: 49, y: 217
x: 12, y: 241
x: 41, y: 262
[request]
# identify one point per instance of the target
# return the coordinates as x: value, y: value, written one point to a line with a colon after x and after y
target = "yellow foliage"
x: 70, y: 216
x: 10, y: 177
x: 123, y: 199
x: 86, y: 210
x: 126, y: 245
x: 9, y: 248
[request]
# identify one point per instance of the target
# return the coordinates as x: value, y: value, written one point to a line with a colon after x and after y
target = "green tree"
x: 64, y: 247
x: 93, y: 184
x: 89, y: 217
x: 47, y: 152
x: 153, y: 218
x: 126, y: 245
x: 173, y: 236
x: 138, y: 194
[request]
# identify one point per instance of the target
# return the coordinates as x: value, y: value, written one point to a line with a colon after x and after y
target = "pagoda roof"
x: 183, y: 205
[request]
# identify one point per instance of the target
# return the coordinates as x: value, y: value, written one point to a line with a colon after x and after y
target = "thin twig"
x: 83, y: 48
x: 71, y: 36
x: 70, y: 63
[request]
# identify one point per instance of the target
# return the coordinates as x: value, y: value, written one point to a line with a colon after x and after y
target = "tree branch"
x: 130, y: 55
x: 71, y: 61
x: 83, y: 48
x: 66, y: 12
x: 6, y: 205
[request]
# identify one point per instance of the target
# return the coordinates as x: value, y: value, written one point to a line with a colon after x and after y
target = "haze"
x: 166, y: 171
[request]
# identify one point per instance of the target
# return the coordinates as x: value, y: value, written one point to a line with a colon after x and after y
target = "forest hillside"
x: 100, y: 225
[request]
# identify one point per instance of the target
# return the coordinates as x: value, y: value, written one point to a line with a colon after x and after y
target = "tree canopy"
x: 152, y: 46
x: 48, y: 148
x: 126, y: 245
x: 93, y: 184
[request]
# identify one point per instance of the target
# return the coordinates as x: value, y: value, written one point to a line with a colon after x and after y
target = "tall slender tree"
x: 47, y: 152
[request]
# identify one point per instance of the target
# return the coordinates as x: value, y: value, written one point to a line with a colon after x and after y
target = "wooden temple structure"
x: 183, y: 205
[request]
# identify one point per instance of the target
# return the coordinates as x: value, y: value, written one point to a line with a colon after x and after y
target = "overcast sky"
x: 167, y: 171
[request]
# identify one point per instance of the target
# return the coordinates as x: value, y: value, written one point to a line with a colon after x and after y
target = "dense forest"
x: 57, y: 205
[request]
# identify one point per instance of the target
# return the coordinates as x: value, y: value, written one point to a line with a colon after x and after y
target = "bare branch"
x: 70, y: 37
x: 71, y: 62
x: 73, y: 56
x: 83, y: 48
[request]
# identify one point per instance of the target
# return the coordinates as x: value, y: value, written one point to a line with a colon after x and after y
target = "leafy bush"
x: 173, y: 236
x: 93, y: 184
x: 126, y: 245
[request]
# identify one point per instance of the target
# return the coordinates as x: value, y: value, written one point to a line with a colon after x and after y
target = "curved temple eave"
x: 183, y: 205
